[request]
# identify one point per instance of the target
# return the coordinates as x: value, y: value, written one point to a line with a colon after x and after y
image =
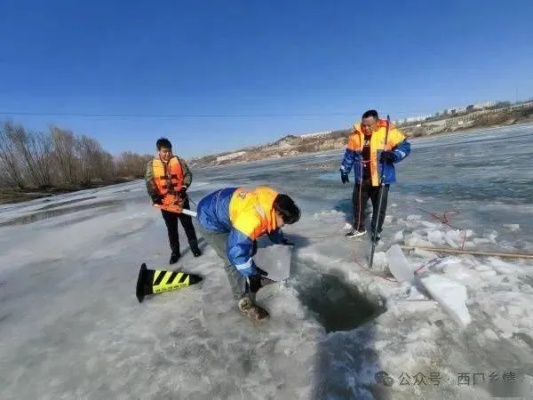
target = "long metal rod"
x: 381, y: 186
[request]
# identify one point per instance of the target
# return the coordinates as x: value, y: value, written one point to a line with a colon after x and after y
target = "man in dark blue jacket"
x: 369, y: 155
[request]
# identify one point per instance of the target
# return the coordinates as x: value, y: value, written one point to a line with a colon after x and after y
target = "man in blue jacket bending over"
x: 231, y: 220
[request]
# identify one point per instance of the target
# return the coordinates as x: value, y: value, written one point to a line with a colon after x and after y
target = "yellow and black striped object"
x: 153, y: 281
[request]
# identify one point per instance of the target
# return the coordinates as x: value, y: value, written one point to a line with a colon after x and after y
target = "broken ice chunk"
x: 436, y: 237
x: 398, y: 237
x: 416, y: 240
x: 450, y: 295
x: 492, y: 236
x: 275, y: 260
x: 398, y: 264
x: 490, y: 334
x: 451, y: 238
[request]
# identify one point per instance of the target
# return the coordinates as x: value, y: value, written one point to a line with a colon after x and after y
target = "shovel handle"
x: 189, y: 212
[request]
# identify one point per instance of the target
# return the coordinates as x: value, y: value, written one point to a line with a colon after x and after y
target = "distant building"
x: 315, y: 134
x: 522, y: 105
x: 482, y: 106
x: 467, y: 109
x: 417, y: 119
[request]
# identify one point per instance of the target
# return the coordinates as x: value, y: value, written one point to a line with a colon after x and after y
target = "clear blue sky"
x: 218, y: 75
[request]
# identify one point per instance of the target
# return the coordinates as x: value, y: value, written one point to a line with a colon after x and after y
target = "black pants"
x: 361, y: 193
x: 171, y: 221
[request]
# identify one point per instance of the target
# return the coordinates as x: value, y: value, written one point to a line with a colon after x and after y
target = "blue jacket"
x: 353, y: 157
x: 245, y: 215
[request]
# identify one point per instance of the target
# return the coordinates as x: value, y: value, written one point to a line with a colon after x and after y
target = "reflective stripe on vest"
x: 168, y: 177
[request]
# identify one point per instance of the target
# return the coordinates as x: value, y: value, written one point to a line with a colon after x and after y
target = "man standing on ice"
x: 167, y: 179
x: 369, y: 156
x: 231, y: 220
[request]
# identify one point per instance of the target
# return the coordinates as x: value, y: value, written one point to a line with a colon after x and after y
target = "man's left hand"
x: 388, y: 157
x: 344, y: 177
x: 264, y: 281
x: 261, y: 271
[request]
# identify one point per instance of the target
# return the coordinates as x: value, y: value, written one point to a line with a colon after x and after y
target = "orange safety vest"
x: 168, y: 179
x: 251, y: 211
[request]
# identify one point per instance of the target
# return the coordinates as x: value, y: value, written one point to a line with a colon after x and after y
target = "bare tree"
x: 132, y: 164
x: 95, y: 162
x: 64, y: 155
x: 34, y: 152
x: 11, y: 165
x: 60, y: 158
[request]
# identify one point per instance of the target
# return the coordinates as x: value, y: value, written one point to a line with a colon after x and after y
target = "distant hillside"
x: 291, y: 145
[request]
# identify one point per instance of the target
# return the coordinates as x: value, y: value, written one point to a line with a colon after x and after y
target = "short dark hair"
x: 371, y: 113
x: 163, y: 142
x: 285, y: 206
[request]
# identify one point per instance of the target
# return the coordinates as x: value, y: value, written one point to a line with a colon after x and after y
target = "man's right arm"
x: 149, y: 180
x: 240, y: 244
x: 240, y: 250
x: 351, y: 155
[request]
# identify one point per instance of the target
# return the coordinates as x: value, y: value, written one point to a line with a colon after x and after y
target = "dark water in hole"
x: 337, y: 305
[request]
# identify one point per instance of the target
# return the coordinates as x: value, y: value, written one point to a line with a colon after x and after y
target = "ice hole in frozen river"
x: 335, y: 303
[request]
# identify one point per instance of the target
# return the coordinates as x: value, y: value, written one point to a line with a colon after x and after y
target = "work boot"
x: 251, y: 310
x: 174, y: 257
x: 196, y: 251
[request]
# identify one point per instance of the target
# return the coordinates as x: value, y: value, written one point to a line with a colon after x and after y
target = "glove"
x: 157, y: 199
x: 287, y: 242
x: 182, y: 192
x: 259, y: 281
x: 387, y: 157
x: 344, y: 177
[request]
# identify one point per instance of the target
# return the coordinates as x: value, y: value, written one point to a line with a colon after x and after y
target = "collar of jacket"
x: 269, y: 217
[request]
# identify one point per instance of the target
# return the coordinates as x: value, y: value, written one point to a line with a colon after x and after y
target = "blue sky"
x: 218, y: 75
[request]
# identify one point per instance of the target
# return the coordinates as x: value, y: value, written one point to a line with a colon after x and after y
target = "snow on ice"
x: 71, y: 326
